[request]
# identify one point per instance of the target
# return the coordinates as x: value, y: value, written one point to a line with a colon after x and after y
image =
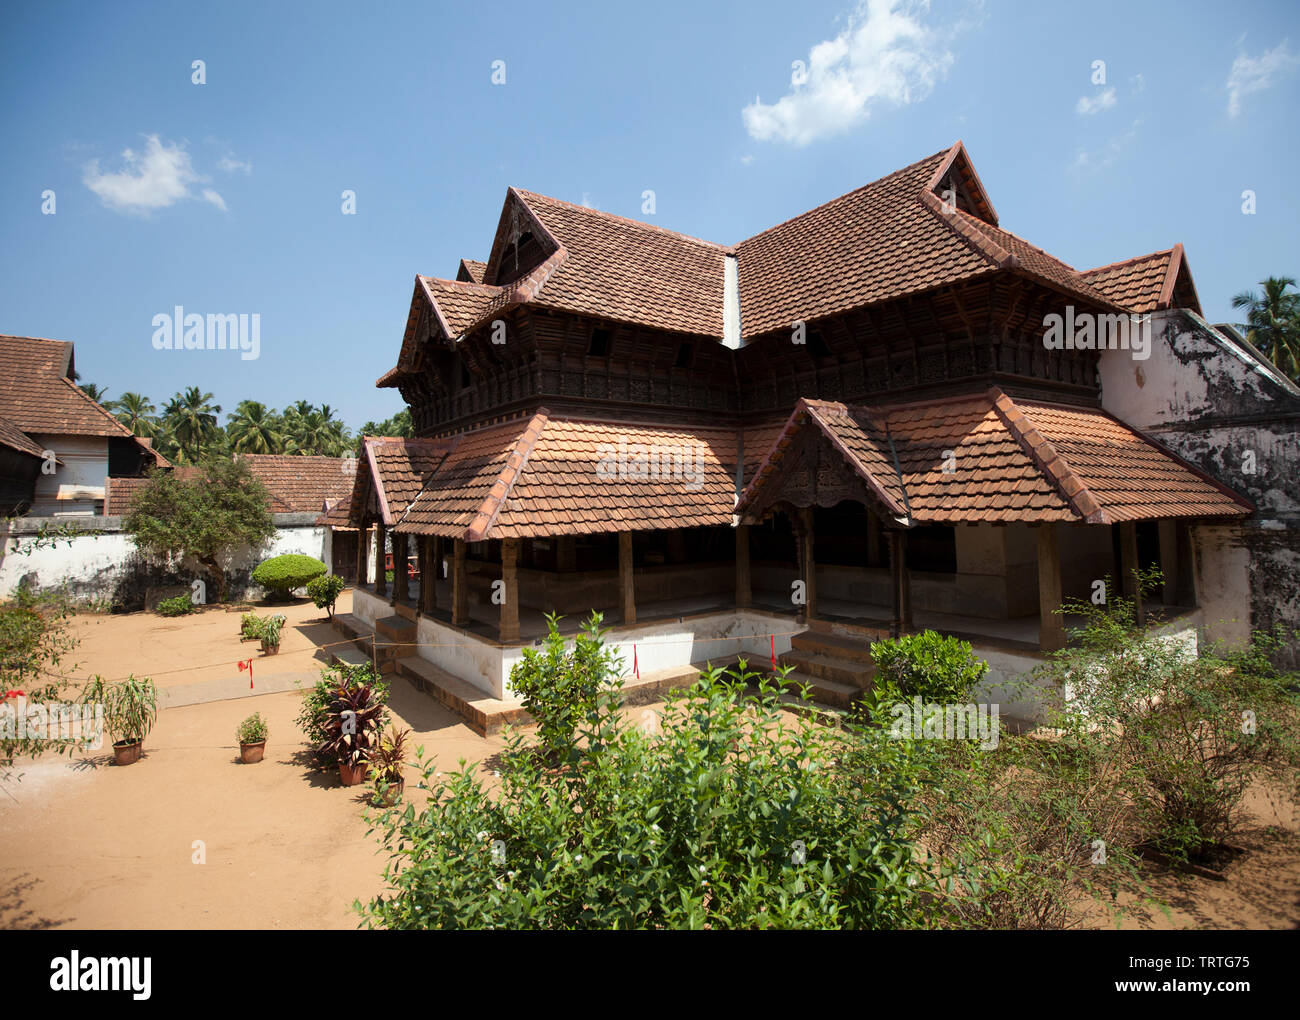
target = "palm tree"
x: 95, y: 393
x: 191, y: 421
x: 314, y: 431
x: 253, y: 428
x: 1273, y: 322
x: 135, y: 411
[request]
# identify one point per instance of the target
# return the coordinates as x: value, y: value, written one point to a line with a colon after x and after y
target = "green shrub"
x: 130, y: 705
x: 250, y: 625
x: 282, y: 575
x: 178, y: 606
x: 269, y: 630
x: 936, y: 668
x: 731, y: 814
x: 324, y: 591
x: 253, y: 730
x: 562, y: 689
x: 318, y: 698
x: 1188, y: 733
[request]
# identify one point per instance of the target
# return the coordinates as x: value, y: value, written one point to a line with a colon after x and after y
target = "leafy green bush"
x: 250, y: 626
x: 282, y: 575
x: 324, y: 591
x: 178, y: 606
x: 727, y: 813
x: 938, y: 669
x: 269, y: 630
x: 562, y: 689
x: 253, y: 730
x: 130, y: 705
x: 353, y: 722
x: 1188, y: 733
x: 34, y: 640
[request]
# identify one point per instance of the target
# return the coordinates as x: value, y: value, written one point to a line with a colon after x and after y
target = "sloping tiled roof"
x: 987, y: 458
x: 459, y: 305
x: 471, y: 270
x: 400, y: 468
x: 300, y: 484
x: 120, y: 493
x: 1135, y: 283
x: 37, y: 396
x: 617, y: 268
x: 14, y: 438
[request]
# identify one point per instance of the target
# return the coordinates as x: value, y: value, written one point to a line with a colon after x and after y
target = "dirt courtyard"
x: 189, y: 838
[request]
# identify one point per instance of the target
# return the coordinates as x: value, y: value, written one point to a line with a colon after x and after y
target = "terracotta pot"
x: 393, y: 793
x: 353, y: 775
x: 127, y: 752
x: 270, y: 649
x: 251, y: 754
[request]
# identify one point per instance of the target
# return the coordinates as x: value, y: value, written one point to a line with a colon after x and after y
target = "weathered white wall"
x: 89, y: 565
x: 1232, y: 414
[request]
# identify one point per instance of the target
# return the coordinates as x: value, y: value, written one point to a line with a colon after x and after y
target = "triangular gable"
x: 957, y: 174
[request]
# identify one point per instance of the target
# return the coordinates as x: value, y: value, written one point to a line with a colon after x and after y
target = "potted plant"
x: 250, y: 627
x: 386, y: 761
x: 252, y: 735
x: 130, y: 709
x: 269, y: 632
x: 351, y: 727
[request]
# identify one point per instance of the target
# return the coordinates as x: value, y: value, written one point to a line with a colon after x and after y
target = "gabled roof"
x: 14, y: 438
x: 1148, y: 283
x: 896, y: 236
x: 987, y: 458
x: 38, y: 397
x: 300, y: 484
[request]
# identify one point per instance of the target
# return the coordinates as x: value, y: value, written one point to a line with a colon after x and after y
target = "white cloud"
x: 1088, y: 105
x: 1254, y: 74
x: 228, y: 164
x: 887, y: 54
x: 157, y: 178
x: 587, y: 201
x: 746, y: 159
x: 1106, y: 156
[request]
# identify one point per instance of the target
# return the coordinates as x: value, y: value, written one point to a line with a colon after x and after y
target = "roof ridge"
x: 490, y: 288
x: 1046, y: 458
x: 972, y: 235
x: 496, y: 497
x: 601, y: 213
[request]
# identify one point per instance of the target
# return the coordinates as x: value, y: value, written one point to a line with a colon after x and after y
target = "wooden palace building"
x: 849, y: 424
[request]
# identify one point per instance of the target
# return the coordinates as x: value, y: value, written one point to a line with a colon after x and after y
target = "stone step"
x: 483, y: 713
x: 856, y: 631
x: 837, y: 645
x: 396, y: 628
x: 348, y: 655
x: 852, y: 672
x: 825, y: 692
x: 405, y: 611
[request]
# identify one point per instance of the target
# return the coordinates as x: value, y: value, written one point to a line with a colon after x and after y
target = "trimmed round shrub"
x: 281, y: 575
x: 324, y: 591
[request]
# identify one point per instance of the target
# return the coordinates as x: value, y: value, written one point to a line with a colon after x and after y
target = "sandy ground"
x: 84, y: 844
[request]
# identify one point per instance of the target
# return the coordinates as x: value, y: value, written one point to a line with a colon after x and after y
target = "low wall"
x: 99, y: 563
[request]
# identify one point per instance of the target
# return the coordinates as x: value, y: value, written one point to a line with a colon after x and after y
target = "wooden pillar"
x: 381, y: 540
x: 424, y: 563
x: 401, y: 553
x: 873, y: 539
x: 459, y: 586
x: 744, y: 585
x: 807, y: 562
x: 509, y: 589
x: 626, y: 582
x: 1128, y: 557
x: 363, y: 555
x: 1169, y: 561
x: 900, y: 584
x: 677, y: 545
x: 566, y: 553
x: 437, y: 552
x: 1051, y: 624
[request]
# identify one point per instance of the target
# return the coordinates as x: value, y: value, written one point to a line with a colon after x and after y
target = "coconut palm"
x: 95, y: 393
x: 191, y: 422
x: 1273, y: 322
x: 254, y: 428
x: 314, y: 431
x: 135, y: 411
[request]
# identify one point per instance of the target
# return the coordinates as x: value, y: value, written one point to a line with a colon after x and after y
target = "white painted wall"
x: 76, y: 488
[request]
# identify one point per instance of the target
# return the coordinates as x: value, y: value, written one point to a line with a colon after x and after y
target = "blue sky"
x: 236, y: 207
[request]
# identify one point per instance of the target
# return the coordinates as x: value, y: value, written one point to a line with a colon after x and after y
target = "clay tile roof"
x: 988, y: 458
x: 14, y: 438
x: 547, y: 476
x: 617, y: 268
x: 37, y: 396
x: 121, y: 492
x: 471, y: 271
x: 300, y: 484
x: 400, y: 468
x: 338, y: 515
x: 1136, y: 284
x: 459, y: 304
